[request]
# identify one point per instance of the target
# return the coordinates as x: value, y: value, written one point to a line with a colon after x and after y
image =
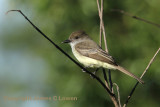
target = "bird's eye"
x: 76, y: 37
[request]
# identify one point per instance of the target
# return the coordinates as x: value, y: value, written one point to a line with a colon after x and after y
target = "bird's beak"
x: 66, y: 41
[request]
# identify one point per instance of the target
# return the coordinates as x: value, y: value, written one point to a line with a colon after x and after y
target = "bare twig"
x: 149, y: 64
x: 100, y: 36
x: 131, y: 93
x: 113, y: 98
x: 119, y: 101
x: 105, y: 76
x: 94, y: 76
x: 100, y: 11
x: 102, y: 29
x: 110, y: 80
x: 136, y: 17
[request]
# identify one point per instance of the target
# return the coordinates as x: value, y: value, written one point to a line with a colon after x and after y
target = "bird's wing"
x: 92, y: 50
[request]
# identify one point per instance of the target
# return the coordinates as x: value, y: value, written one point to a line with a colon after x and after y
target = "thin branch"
x: 102, y: 29
x: 131, y: 93
x: 105, y: 76
x: 110, y: 80
x: 149, y: 64
x: 135, y: 17
x: 101, y: 19
x: 119, y: 101
x: 113, y: 98
x: 100, y: 11
x: 94, y: 76
x: 100, y: 36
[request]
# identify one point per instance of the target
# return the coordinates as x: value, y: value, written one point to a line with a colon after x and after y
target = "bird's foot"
x: 83, y: 70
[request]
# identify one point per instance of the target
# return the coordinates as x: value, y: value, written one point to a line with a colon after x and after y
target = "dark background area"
x: 31, y: 66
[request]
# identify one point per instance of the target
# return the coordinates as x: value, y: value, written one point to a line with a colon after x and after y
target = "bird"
x: 90, y: 54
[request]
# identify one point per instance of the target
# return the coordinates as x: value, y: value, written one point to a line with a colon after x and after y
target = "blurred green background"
x: 31, y: 66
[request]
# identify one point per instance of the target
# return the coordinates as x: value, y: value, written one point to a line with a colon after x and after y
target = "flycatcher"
x: 90, y: 54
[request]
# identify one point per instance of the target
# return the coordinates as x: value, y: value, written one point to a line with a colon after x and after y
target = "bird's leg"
x: 93, y: 72
x: 83, y: 69
x: 86, y: 67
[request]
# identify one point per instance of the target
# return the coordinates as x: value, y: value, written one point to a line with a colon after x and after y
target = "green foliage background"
x: 31, y: 66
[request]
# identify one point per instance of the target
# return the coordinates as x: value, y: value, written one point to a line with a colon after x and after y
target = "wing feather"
x: 92, y: 50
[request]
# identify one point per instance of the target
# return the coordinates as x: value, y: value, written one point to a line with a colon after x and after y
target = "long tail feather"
x: 130, y: 74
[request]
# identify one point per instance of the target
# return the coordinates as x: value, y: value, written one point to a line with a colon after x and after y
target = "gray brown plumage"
x: 91, y: 55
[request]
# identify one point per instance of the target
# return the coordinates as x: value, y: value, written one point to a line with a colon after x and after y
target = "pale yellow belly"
x: 89, y: 62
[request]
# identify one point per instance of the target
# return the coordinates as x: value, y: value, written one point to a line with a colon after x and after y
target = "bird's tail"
x: 129, y: 73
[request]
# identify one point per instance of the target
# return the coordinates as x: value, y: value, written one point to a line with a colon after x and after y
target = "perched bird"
x: 90, y: 54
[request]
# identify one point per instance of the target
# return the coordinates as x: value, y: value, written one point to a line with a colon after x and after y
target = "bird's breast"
x: 90, y: 62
